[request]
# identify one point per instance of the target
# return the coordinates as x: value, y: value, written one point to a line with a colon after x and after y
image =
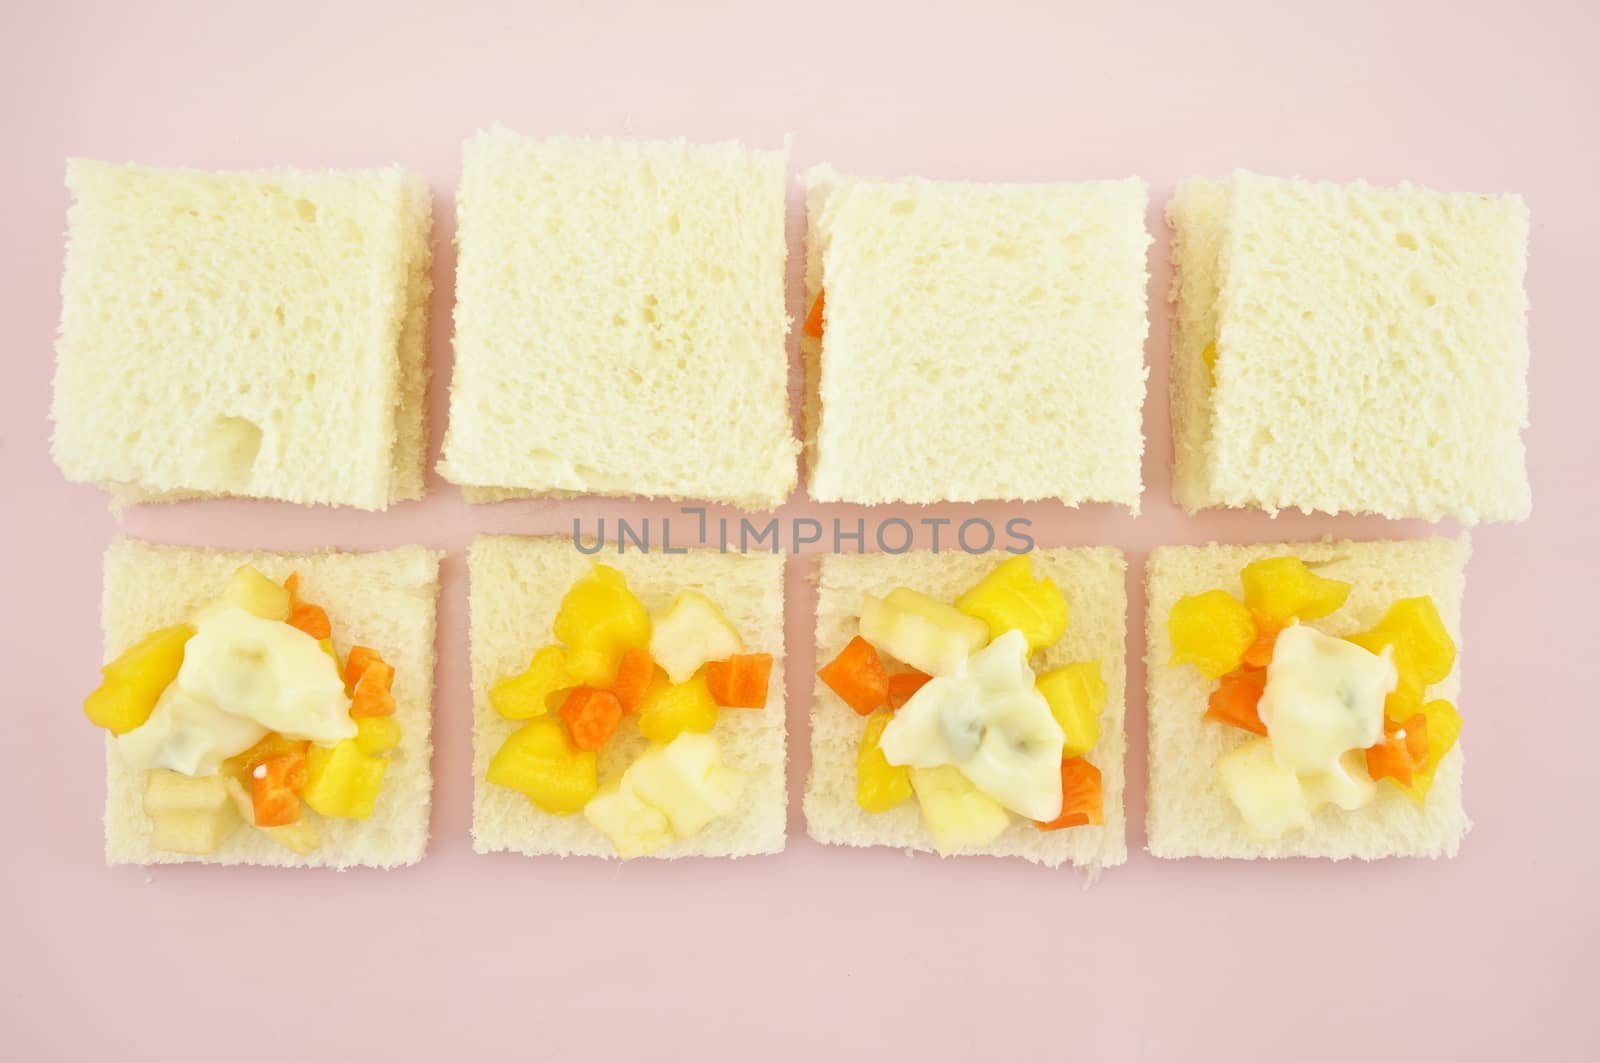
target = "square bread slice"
x: 1370, y: 349
x: 517, y: 585
x: 979, y: 341
x: 1187, y: 812
x: 1093, y: 579
x: 620, y: 322
x: 253, y: 334
x: 386, y: 600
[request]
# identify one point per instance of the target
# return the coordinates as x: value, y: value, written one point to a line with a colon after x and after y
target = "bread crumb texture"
x: 256, y: 334
x: 385, y: 600
x: 1093, y: 581
x: 517, y: 586
x: 620, y: 322
x: 1187, y: 812
x: 981, y: 341
x: 1371, y: 349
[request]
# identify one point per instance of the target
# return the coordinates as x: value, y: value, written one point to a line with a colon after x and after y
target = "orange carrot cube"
x: 740, y: 682
x: 857, y: 675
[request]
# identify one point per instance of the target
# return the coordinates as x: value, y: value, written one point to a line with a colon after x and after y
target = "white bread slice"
x: 1196, y: 214
x: 818, y: 185
x: 385, y: 600
x: 1372, y: 349
x: 980, y: 341
x: 1093, y: 579
x: 1187, y: 812
x: 517, y: 585
x: 408, y: 475
x: 256, y: 334
x: 620, y: 321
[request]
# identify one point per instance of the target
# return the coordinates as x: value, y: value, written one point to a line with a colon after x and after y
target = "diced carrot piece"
x: 312, y: 619
x: 372, y: 695
x: 740, y: 682
x: 273, y: 745
x: 813, y: 325
x: 902, y: 685
x: 275, y: 785
x: 1402, y: 752
x: 857, y: 675
x: 634, y: 672
x: 591, y: 716
x: 1259, y: 653
x: 1236, y: 700
x: 1080, y: 796
x: 355, y: 665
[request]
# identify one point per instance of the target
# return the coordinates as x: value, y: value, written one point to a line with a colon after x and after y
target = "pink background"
x: 818, y: 951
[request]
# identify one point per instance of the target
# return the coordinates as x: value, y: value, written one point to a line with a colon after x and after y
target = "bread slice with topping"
x: 1188, y: 813
x: 253, y: 334
x: 1092, y: 579
x: 977, y: 341
x: 1342, y: 348
x: 517, y: 586
x: 385, y: 600
x: 620, y: 322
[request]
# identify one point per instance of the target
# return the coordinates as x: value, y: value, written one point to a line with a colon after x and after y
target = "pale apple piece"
x: 687, y: 781
x: 691, y: 632
x: 1268, y: 795
x: 957, y: 813
x: 929, y: 635
x: 634, y: 827
x: 188, y: 815
x: 255, y: 593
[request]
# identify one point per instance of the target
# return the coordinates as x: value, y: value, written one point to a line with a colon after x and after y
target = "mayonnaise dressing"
x: 242, y: 676
x: 990, y: 721
x: 1324, y: 697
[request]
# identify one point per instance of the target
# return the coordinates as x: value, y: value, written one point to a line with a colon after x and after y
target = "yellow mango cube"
x: 600, y: 619
x: 1281, y: 589
x: 880, y: 785
x: 539, y: 761
x: 1422, y: 644
x: 376, y: 735
x: 1444, y: 728
x: 1210, y: 631
x: 1010, y: 598
x: 342, y: 781
x: 670, y: 709
x: 524, y: 696
x: 134, y: 681
x: 1077, y: 697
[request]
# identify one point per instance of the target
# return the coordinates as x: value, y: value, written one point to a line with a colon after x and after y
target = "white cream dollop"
x: 990, y: 721
x: 242, y: 676
x: 1324, y: 697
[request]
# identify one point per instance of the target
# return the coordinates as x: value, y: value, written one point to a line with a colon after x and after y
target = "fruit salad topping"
x: 958, y: 717
x: 1333, y: 717
x: 245, y: 714
x: 672, y: 672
